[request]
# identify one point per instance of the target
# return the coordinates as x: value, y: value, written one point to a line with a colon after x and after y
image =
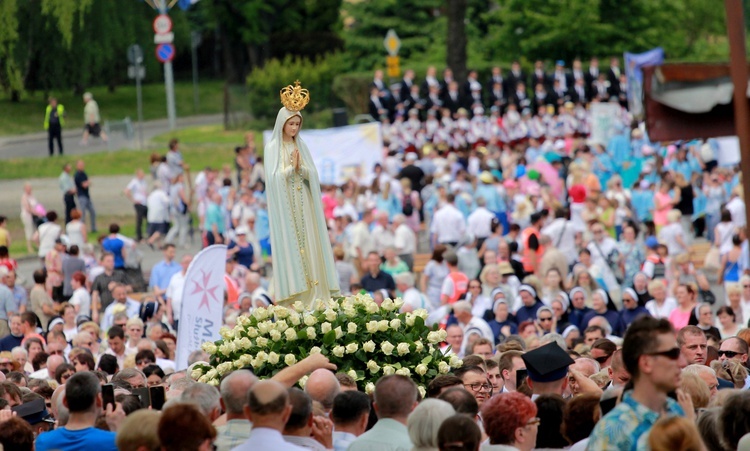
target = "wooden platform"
x: 698, y: 253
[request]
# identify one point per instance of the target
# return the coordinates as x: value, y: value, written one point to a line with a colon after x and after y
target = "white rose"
x: 338, y: 351
x: 433, y: 337
x: 281, y: 325
x: 245, y: 343
x: 252, y: 332
x: 294, y: 319
x: 373, y: 366
x: 310, y: 320
x: 383, y: 325
x: 311, y: 333
x: 410, y: 319
x: 273, y: 358
x: 403, y: 372
x: 319, y: 305
x: 262, y: 342
x: 263, y: 327
x: 339, y: 333
x: 443, y: 334
x: 398, y: 303
x: 260, y: 314
x: 387, y: 348
x: 350, y: 311
x: 275, y: 335
x: 422, y: 313
x: 388, y: 370
x: 369, y: 346
x: 372, y: 326
x: 290, y: 334
x: 455, y: 362
x: 238, y: 364
x: 352, y: 374
x: 261, y: 357
x: 246, y: 359
x: 443, y: 367
x: 387, y: 305
x: 290, y: 359
x: 196, y: 374
x: 281, y: 312
x: 214, y: 382
x: 395, y: 324
x: 299, y: 307
x: 419, y: 346
x: 303, y: 381
x: 209, y: 347
x: 226, y: 333
x: 315, y: 350
x: 422, y: 391
x: 351, y: 328
x: 325, y: 327
x: 369, y: 388
x: 372, y: 307
x: 402, y: 348
x: 330, y: 315
x: 226, y: 348
x: 212, y: 373
x: 421, y: 369
x: 351, y: 348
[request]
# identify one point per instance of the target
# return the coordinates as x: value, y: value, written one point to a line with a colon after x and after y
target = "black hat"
x: 547, y: 363
x: 34, y: 412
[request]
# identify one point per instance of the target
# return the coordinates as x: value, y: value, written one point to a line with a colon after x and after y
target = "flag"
x: 202, y: 302
x: 185, y: 4
x: 633, y: 64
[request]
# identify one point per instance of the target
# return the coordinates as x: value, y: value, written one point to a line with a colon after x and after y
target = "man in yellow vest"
x: 54, y: 119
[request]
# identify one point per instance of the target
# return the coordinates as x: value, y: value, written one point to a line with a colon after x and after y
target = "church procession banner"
x: 202, y: 302
x: 340, y: 153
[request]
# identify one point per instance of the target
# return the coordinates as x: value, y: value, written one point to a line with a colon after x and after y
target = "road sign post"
x: 165, y: 53
x: 135, y: 57
x: 392, y: 45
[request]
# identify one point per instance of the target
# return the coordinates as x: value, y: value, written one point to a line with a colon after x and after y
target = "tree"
x: 457, y: 38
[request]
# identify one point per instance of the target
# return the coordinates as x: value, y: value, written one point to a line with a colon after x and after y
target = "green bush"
x: 316, y: 76
x: 354, y: 90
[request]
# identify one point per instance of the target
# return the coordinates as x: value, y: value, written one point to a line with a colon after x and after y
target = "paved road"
x: 35, y: 144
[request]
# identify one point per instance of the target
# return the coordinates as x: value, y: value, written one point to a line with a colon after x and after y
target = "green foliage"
x: 315, y: 75
x: 64, y: 12
x: 10, y: 75
x: 362, y: 338
x: 354, y: 90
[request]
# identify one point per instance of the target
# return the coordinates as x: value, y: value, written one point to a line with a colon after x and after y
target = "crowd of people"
x: 561, y: 269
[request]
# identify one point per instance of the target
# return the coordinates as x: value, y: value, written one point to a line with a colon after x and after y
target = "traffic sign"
x: 135, y: 54
x: 392, y: 43
x: 393, y: 66
x: 165, y: 52
x: 136, y: 71
x: 166, y: 38
x: 162, y: 24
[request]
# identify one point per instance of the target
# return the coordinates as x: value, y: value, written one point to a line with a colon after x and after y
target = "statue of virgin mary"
x: 303, y: 268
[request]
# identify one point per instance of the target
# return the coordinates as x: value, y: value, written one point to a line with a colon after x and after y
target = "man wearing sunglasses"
x: 735, y: 348
x: 653, y: 358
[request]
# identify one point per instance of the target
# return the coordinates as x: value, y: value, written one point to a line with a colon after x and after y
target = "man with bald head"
x: 234, y: 389
x: 268, y: 409
x: 322, y: 386
x: 53, y: 361
x: 258, y: 295
x: 585, y: 366
x: 735, y: 348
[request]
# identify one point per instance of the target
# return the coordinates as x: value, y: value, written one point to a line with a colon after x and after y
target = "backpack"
x: 408, y: 209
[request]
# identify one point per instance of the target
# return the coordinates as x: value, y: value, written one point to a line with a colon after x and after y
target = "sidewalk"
x: 35, y: 144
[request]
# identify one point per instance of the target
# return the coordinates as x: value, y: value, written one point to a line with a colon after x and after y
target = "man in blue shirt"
x: 115, y: 246
x: 652, y: 356
x: 163, y: 271
x: 83, y: 398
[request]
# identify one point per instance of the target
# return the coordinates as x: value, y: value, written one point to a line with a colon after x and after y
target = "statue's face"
x: 291, y: 127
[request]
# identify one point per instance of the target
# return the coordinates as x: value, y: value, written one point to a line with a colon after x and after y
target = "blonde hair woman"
x: 673, y: 235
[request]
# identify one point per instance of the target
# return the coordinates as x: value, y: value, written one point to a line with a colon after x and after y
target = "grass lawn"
x: 206, y: 135
x: 115, y: 163
x: 27, y: 116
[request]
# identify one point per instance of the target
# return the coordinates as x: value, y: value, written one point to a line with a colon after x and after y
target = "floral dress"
x: 633, y: 256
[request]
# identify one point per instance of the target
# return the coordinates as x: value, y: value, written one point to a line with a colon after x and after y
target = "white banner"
x: 202, y: 302
x: 729, y: 151
x: 341, y: 152
x: 605, y: 120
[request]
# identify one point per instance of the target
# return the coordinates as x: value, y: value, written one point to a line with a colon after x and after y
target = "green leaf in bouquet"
x: 418, y: 322
x: 329, y: 338
x: 427, y: 360
x: 302, y: 334
x: 360, y: 355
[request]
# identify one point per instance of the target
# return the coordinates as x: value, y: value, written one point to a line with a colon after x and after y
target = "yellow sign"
x: 394, y: 66
x: 392, y: 43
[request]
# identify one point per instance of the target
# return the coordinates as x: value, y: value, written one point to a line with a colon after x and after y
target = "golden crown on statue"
x: 295, y: 98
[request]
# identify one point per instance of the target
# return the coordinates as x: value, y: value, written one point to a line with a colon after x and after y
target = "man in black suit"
x: 516, y: 74
x: 472, y: 84
x: 601, y: 89
x: 577, y: 73
x: 561, y: 76
x: 591, y: 76
x: 519, y: 97
x: 497, y: 97
x: 453, y: 99
x: 578, y: 94
x: 496, y: 77
x: 622, y: 90
x: 406, y: 84
x: 377, y: 82
x: 539, y: 76
x: 377, y: 106
x: 395, y: 102
x: 415, y: 101
x: 447, y: 80
x: 613, y: 74
x: 433, y: 101
x: 430, y: 80
x: 558, y: 95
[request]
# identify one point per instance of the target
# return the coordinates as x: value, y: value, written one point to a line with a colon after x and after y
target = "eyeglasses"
x: 545, y: 319
x: 533, y: 422
x: 671, y: 354
x: 475, y: 387
x: 475, y: 286
x: 603, y: 358
x: 730, y: 354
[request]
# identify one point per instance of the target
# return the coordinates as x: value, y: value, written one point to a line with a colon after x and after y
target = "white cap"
x: 241, y: 230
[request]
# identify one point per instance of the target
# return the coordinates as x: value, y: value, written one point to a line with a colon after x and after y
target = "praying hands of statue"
x: 296, y: 160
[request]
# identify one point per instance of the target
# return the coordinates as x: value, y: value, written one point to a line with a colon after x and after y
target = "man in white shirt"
x: 121, y: 302
x: 361, y: 240
x: 412, y: 297
x: 268, y: 408
x: 563, y: 234
x: 480, y: 221
x: 736, y: 207
x: 175, y: 290
x: 404, y: 240
x: 137, y: 193
x: 472, y: 326
x: 158, y: 213
x: 382, y: 235
x: 243, y: 211
x: 448, y: 225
